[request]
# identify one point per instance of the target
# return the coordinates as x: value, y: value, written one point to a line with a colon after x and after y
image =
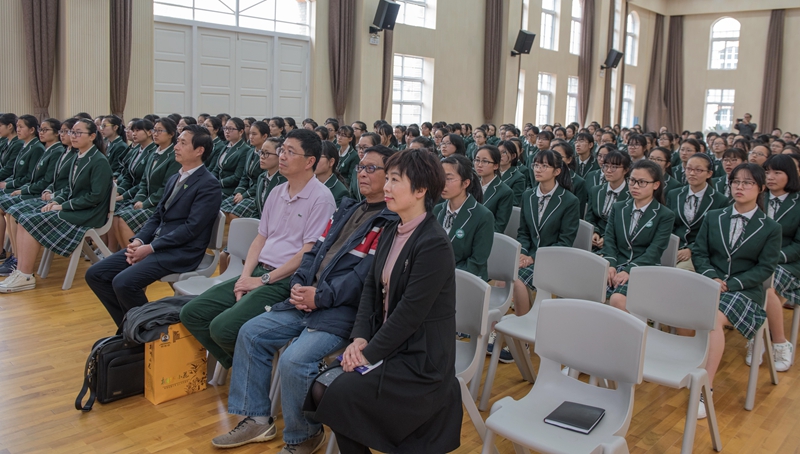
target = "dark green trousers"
x: 214, y: 318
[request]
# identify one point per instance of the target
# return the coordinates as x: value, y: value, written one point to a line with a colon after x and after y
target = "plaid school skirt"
x: 743, y: 313
x: 245, y: 209
x: 25, y: 207
x: 7, y: 201
x: 526, y: 276
x: 787, y: 285
x: 135, y: 218
x: 52, y: 232
x: 622, y: 289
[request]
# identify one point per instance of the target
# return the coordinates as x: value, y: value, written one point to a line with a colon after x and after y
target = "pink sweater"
x: 404, y: 232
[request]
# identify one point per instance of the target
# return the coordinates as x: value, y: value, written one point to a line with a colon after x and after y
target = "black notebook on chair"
x: 576, y: 417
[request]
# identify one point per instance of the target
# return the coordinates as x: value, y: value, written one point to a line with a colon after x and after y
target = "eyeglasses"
x: 45, y: 130
x: 357, y: 129
x: 731, y: 161
x: 368, y: 168
x: 747, y: 184
x: 159, y: 131
x: 266, y: 154
x: 538, y: 166
x: 483, y: 162
x: 229, y: 129
x: 611, y: 167
x: 757, y: 153
x: 695, y: 171
x: 445, y: 143
x: 638, y: 183
x: 280, y: 151
x: 77, y: 133
x: 658, y: 160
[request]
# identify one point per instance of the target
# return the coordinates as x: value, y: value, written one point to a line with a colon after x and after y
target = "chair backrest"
x: 670, y: 255
x: 673, y: 296
x: 513, y: 223
x: 112, y: 205
x: 583, y: 240
x: 569, y: 273
x: 593, y: 338
x: 472, y: 314
x: 218, y: 233
x: 503, y: 260
x: 241, y: 234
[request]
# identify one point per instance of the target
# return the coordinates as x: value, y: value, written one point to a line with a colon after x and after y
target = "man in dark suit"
x: 175, y: 237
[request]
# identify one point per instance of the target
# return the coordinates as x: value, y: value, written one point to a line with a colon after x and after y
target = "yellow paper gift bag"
x: 175, y: 365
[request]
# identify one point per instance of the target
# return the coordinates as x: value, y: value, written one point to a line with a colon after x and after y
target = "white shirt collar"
x: 782, y: 198
x: 539, y: 190
x: 486, y: 186
x: 698, y: 194
x: 188, y: 173
x: 618, y: 190
x: 748, y: 215
x: 644, y: 208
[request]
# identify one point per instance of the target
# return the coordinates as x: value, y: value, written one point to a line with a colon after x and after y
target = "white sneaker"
x: 784, y: 355
x: 490, y: 344
x: 748, y: 359
x: 701, y: 410
x: 17, y: 282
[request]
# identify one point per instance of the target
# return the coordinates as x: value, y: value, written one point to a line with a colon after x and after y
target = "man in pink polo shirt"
x: 294, y: 217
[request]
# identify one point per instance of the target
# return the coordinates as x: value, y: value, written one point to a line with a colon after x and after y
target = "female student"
x: 131, y: 176
x: 783, y: 205
x: 469, y: 224
x: 663, y: 157
x: 214, y: 126
x: 689, y: 148
x: 550, y: 216
x: 61, y: 224
x: 759, y: 154
x: 277, y: 127
x: 232, y: 205
x: 510, y: 172
x: 718, y: 147
x: 113, y: 131
x: 690, y: 203
x: 230, y: 164
x: 18, y: 172
x: 578, y: 184
x: 348, y: 155
x: 731, y: 158
x: 12, y: 145
x: 585, y: 162
x: 452, y: 144
x: 596, y: 177
x: 497, y: 197
x: 739, y: 247
x: 159, y: 167
x: 479, y: 140
x: 602, y: 197
x: 638, y: 229
x: 400, y: 135
x: 327, y: 173
x: 387, y: 136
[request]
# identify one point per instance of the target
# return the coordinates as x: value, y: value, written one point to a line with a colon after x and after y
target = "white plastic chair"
x: 241, y: 234
x: 762, y: 335
x: 210, y: 261
x: 502, y: 267
x: 683, y: 299
x: 583, y: 240
x: 83, y: 247
x: 670, y: 255
x: 513, y: 223
x: 553, y: 274
x: 795, y: 325
x: 587, y: 336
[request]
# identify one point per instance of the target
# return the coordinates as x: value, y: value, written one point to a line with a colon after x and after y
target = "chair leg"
x: 475, y: 383
x: 795, y: 325
x: 211, y: 367
x: 73, y: 266
x: 770, y: 355
x: 488, y: 441
x: 220, y: 375
x: 713, y: 426
x: 44, y: 264
x: 99, y: 243
x: 486, y: 394
x: 752, y: 382
x: 689, y: 428
x: 524, y: 360
x: 472, y: 410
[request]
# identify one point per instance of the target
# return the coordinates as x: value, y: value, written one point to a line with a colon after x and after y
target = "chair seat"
x: 205, y: 269
x: 522, y: 421
x: 522, y: 328
x: 498, y: 297
x: 465, y: 356
x: 197, y: 285
x: 669, y: 360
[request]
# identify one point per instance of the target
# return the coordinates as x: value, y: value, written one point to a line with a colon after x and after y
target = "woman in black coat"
x: 411, y: 402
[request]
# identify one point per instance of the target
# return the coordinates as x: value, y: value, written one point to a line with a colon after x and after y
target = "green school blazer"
x: 157, y: 171
x: 231, y: 169
x: 499, y: 199
x: 721, y: 185
x: 212, y: 163
x: 61, y: 172
x: 788, y: 216
x: 493, y: 140
x: 346, y: 165
x: 9, y: 156
x: 471, y: 235
x: 22, y: 168
x: 679, y: 174
x: 116, y: 155
x: 252, y: 170
x: 590, y: 166
x: 683, y: 229
x: 514, y: 179
x: 745, y: 266
x: 128, y: 183
x: 528, y: 153
x: 670, y: 183
x: 43, y: 172
x: 648, y: 241
x: 85, y: 200
x: 337, y: 188
x: 580, y: 190
x: 558, y: 226
x: 597, y: 200
x: 594, y: 178
x: 264, y: 186
x: 472, y: 150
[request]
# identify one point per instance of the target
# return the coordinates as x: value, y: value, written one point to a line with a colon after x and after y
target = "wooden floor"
x: 46, y: 334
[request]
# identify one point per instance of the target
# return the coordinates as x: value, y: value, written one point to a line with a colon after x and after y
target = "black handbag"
x: 114, y: 370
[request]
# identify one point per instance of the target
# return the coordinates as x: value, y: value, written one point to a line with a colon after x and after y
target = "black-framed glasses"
x: 45, y: 130
x: 159, y: 131
x: 362, y: 147
x: 77, y: 133
x: 483, y: 162
x: 747, y: 184
x: 371, y: 168
x: 611, y: 167
x: 266, y: 154
x: 639, y: 183
x: 695, y: 171
x: 658, y: 160
x: 229, y: 129
x: 538, y: 166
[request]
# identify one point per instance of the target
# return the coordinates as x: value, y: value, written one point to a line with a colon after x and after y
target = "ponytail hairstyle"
x: 216, y: 123
x: 329, y: 151
x: 466, y: 172
x: 568, y: 150
x: 289, y: 121
x: 280, y: 123
x: 118, y: 126
x: 9, y: 119
x: 457, y: 142
x: 31, y: 122
x: 387, y: 130
x: 758, y: 174
x: 709, y: 163
x: 554, y: 160
x: 656, y: 174
x: 262, y: 128
x: 55, y: 125
x: 512, y: 151
x: 786, y: 164
x: 169, y: 127
x: 374, y: 138
x: 667, y: 155
x: 351, y: 135
x: 99, y: 143
x: 323, y: 132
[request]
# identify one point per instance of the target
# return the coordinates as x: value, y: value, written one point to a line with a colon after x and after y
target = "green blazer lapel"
x: 509, y: 174
x: 680, y: 202
x: 491, y: 190
x: 552, y: 207
x: 23, y: 155
x: 80, y: 165
x: 705, y: 204
x: 625, y: 213
x: 786, y: 206
x: 331, y: 181
x: 159, y: 161
x: 724, y: 225
x: 233, y: 151
x: 463, y: 216
x: 755, y: 224
x: 648, y: 216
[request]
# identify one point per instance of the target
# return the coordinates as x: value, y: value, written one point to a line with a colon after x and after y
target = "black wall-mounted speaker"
x: 386, y: 15
x: 613, y: 59
x: 524, y: 43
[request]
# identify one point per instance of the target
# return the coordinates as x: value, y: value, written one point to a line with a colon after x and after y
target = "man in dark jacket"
x: 319, y: 315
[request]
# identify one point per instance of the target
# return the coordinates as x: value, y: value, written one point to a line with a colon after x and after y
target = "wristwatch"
x: 265, y: 278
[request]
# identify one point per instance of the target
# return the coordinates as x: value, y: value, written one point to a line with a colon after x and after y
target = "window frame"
x: 572, y: 100
x: 575, y: 28
x: 162, y: 6
x: 428, y: 17
x: 726, y: 62
x: 554, y: 15
x: 549, y: 95
x: 721, y: 104
x: 632, y: 39
x: 628, y: 105
x: 403, y: 78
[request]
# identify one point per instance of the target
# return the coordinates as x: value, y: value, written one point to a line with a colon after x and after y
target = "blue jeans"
x: 259, y: 339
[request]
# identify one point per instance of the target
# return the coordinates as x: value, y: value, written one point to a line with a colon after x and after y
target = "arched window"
x: 632, y: 40
x: 724, y: 44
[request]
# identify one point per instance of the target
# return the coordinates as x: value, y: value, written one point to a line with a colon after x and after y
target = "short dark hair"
x: 584, y: 136
x: 169, y: 127
x: 785, y: 163
x: 736, y: 153
x: 9, y: 119
x: 309, y: 142
x: 656, y: 173
x: 382, y: 150
x: 323, y: 131
x: 201, y: 137
x: 374, y: 138
x: 423, y: 170
x: 758, y: 174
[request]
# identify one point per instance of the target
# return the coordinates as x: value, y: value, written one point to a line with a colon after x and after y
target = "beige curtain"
x: 654, y: 103
x: 771, y: 90
x: 621, y: 86
x: 341, y: 38
x: 607, y: 80
x: 388, y: 65
x: 40, y: 22
x: 120, y: 45
x: 585, y: 61
x: 492, y: 46
x: 673, y: 83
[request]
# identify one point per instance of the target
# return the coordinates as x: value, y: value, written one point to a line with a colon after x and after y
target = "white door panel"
x: 172, y: 69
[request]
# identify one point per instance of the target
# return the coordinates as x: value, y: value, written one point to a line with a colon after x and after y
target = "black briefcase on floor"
x: 114, y: 370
